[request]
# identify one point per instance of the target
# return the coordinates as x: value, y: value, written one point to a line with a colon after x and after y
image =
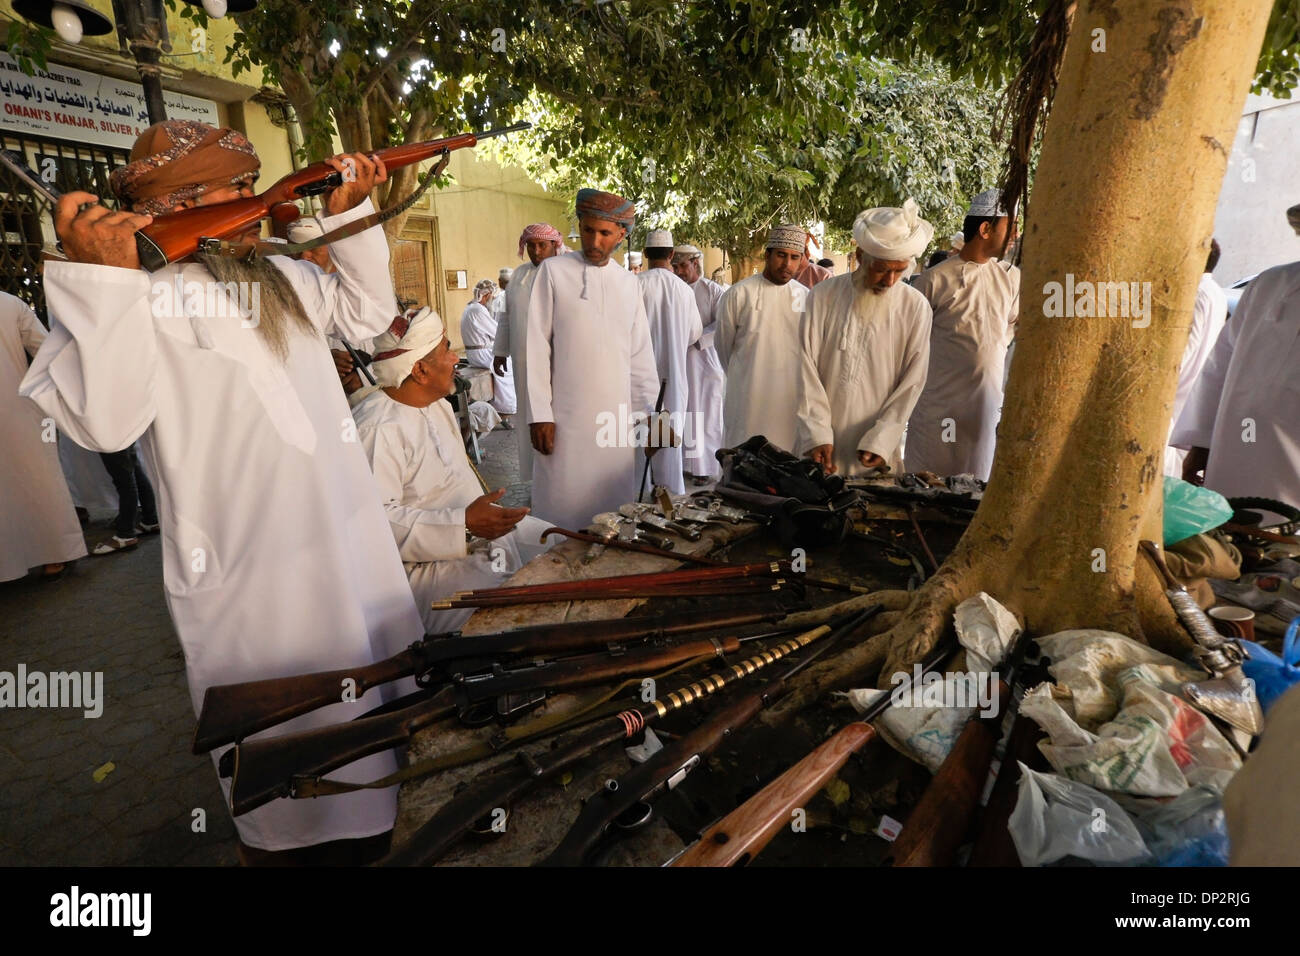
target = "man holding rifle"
x: 277, y: 556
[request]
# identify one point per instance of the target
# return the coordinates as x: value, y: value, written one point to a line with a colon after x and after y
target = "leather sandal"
x: 113, y: 545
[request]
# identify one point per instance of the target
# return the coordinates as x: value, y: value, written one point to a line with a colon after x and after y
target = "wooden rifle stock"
x: 993, y: 844
x: 740, y: 835
x: 175, y: 236
x: 942, y: 819
x: 945, y: 814
x: 232, y: 712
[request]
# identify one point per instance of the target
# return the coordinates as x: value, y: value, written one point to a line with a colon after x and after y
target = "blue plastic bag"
x: 1273, y: 675
x: 1190, y: 509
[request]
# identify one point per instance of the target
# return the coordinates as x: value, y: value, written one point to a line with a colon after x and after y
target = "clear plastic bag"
x: 1055, y: 818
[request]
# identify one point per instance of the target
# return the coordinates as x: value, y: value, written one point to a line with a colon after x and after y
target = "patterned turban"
x: 602, y: 205
x: 892, y: 233
x: 397, y: 352
x: 685, y: 253
x: 539, y: 230
x: 483, y: 286
x: 787, y: 237
x: 179, y: 160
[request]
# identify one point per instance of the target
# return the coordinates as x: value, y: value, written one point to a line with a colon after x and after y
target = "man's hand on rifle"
x: 661, y: 434
x: 96, y: 234
x: 347, y: 371
x: 824, y: 455
x: 485, y: 519
x: 361, y: 173
x: 543, y: 436
x: 499, y: 364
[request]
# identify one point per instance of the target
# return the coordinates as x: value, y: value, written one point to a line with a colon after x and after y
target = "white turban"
x: 484, y: 286
x: 396, y: 355
x: 888, y: 232
x: 304, y: 229
x: 506, y: 272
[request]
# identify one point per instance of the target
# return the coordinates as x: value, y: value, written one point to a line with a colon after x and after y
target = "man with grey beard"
x: 277, y: 556
x: 865, y: 348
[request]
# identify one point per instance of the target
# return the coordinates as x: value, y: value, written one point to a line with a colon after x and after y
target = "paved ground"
x: 107, y: 614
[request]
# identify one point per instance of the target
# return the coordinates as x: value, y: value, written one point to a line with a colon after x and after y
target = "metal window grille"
x: 27, y: 220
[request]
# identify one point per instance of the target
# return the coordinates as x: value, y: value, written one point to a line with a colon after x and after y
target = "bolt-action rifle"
x: 232, y: 712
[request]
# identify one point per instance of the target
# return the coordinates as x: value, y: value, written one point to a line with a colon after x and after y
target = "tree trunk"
x: 1133, y: 157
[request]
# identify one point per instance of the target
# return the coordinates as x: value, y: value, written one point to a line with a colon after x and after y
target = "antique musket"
x: 178, y: 235
x: 232, y: 712
x: 513, y: 779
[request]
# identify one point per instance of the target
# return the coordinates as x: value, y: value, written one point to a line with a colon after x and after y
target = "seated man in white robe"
x: 866, y: 348
x: 976, y: 300
x: 674, y: 328
x: 451, y: 535
x: 757, y: 340
x: 478, y: 330
x: 277, y: 558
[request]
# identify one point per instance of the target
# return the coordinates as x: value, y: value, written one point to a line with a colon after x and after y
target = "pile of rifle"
x: 499, y: 676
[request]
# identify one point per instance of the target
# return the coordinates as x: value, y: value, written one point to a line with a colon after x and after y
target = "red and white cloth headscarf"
x: 539, y: 230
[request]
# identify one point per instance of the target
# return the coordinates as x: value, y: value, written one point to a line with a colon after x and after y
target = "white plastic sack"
x: 926, y: 733
x: 1157, y: 745
x: 1086, y: 664
x: 1055, y: 818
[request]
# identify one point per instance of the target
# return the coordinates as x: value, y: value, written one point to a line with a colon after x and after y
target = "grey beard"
x: 279, y: 308
x: 867, y: 305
